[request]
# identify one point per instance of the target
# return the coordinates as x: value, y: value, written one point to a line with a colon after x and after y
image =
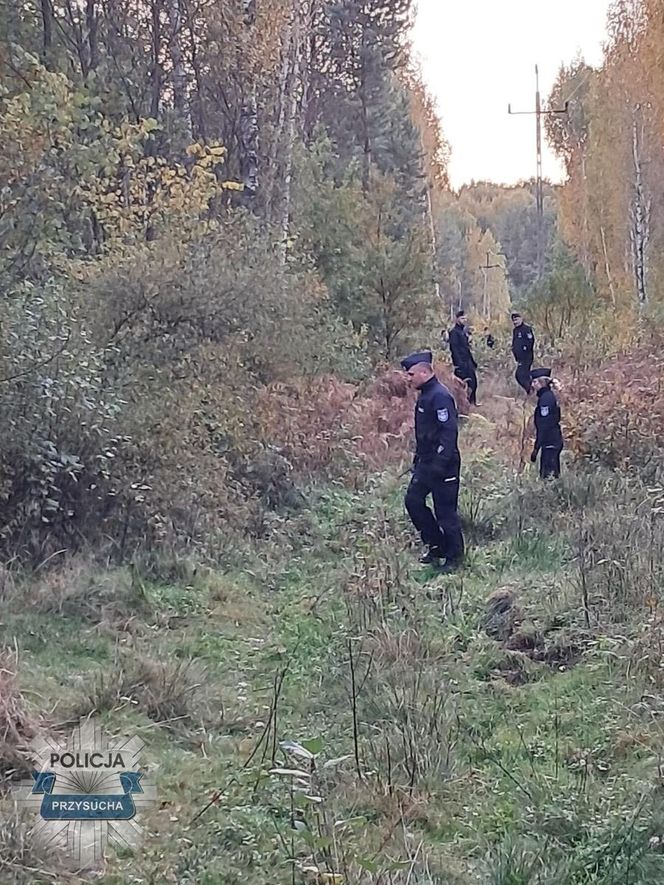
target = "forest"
x: 222, y: 224
x: 196, y: 190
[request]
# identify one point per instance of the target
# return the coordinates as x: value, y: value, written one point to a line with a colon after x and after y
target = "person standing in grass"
x: 548, y: 436
x: 436, y: 468
x: 523, y: 345
x: 462, y: 357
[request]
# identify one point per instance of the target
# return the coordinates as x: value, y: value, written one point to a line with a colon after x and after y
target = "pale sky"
x: 478, y: 56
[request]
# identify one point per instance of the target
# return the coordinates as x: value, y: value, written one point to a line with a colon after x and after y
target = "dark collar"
x: 428, y: 384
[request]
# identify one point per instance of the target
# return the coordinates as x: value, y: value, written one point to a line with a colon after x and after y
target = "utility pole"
x: 539, y: 194
x: 486, y: 300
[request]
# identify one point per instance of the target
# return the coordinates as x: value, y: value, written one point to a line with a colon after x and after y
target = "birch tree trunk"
x: 366, y: 148
x: 197, y: 102
x: 309, y: 48
x: 585, y: 255
x: 295, y: 81
x: 432, y: 231
x: 278, y: 138
x: 639, y: 217
x: 607, y: 267
x: 248, y: 124
x: 180, y: 84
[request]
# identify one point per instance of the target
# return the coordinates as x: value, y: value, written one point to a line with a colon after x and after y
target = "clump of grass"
x: 78, y: 588
x: 165, y: 566
x: 21, y: 860
x: 167, y: 693
x: 7, y: 583
x: 17, y: 725
x: 171, y: 694
x: 516, y: 862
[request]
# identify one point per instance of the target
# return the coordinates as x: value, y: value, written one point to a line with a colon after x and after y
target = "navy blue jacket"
x: 436, y: 426
x: 547, y: 421
x: 460, y: 348
x: 523, y: 343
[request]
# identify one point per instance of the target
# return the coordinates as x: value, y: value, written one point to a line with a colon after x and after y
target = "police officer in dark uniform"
x: 523, y: 344
x: 462, y: 358
x: 436, y: 467
x: 548, y: 436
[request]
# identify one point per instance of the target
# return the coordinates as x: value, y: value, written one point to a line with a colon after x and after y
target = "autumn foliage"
x: 326, y: 427
x: 214, y: 225
x: 615, y: 413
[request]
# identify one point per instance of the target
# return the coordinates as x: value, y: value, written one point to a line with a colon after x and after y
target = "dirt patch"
x: 516, y: 669
x: 502, y: 615
x: 561, y: 654
x: 526, y: 640
x: 503, y: 621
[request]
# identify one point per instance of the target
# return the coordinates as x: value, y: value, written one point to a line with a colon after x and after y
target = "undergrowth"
x: 325, y: 710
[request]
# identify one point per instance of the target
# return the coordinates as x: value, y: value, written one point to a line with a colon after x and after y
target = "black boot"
x: 433, y: 556
x: 450, y: 566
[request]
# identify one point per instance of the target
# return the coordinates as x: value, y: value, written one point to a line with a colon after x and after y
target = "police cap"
x: 422, y: 356
x: 540, y: 373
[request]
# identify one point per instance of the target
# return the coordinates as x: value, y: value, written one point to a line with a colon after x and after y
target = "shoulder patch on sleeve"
x: 544, y: 411
x: 443, y: 415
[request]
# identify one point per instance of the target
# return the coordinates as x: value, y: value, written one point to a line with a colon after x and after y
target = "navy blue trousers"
x: 442, y: 530
x: 522, y: 375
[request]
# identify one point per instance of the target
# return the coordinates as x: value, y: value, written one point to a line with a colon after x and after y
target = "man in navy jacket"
x: 462, y: 357
x: 523, y: 345
x: 548, y: 434
x: 436, y: 467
